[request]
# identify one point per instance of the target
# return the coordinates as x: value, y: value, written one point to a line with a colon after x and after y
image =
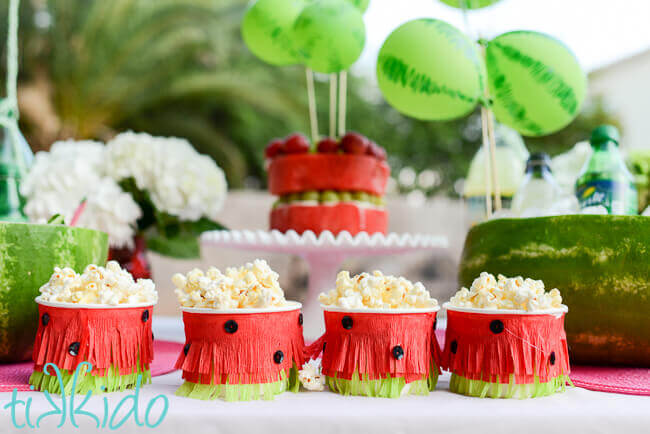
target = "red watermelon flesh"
x: 335, y: 218
x: 317, y: 172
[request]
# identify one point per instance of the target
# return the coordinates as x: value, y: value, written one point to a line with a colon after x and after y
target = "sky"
x: 600, y: 32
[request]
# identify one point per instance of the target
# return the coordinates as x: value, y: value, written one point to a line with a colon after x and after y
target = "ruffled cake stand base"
x: 324, y: 254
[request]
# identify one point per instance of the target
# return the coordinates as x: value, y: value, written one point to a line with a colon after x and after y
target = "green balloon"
x: 469, y: 4
x: 267, y: 27
x: 362, y: 5
x: 535, y: 81
x: 429, y: 70
x: 330, y: 35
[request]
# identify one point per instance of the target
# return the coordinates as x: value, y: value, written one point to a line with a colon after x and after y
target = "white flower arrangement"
x: 179, y: 182
x: 71, y: 171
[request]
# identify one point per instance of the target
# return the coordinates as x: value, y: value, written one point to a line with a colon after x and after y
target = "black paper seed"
x: 347, y: 322
x: 152, y: 338
x: 230, y: 326
x: 435, y: 323
x: 73, y: 349
x: 552, y: 358
x: 186, y: 349
x: 300, y: 319
x: 145, y: 315
x: 496, y: 326
x: 45, y: 319
x: 453, y: 347
x: 398, y: 352
x: 278, y: 357
x: 324, y: 345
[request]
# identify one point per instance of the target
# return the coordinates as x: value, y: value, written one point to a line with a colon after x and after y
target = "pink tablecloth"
x: 15, y: 376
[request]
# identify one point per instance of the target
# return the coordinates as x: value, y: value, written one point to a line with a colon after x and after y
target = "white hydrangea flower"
x: 71, y: 171
x: 180, y: 181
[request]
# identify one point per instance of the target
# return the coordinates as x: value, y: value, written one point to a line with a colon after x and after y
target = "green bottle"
x: 11, y: 203
x: 605, y: 179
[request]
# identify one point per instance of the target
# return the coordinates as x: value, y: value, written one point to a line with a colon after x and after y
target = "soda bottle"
x: 605, y: 179
x: 11, y: 203
x: 538, y: 190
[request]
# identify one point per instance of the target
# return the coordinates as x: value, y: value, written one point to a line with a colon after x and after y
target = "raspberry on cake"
x: 338, y: 187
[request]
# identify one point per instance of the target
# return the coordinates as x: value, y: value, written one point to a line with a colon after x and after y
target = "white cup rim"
x: 91, y: 306
x: 555, y: 311
x: 291, y: 306
x: 380, y: 310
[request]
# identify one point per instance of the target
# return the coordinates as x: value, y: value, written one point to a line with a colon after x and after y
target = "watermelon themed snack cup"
x: 101, y: 317
x: 379, y: 337
x: 243, y: 340
x: 505, y: 338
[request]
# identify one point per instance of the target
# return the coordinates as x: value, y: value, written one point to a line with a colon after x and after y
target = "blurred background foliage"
x: 91, y: 68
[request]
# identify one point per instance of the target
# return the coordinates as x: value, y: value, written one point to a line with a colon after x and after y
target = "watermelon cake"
x: 505, y: 339
x: 243, y: 340
x: 28, y: 254
x: 379, y: 337
x: 338, y: 186
x: 94, y: 332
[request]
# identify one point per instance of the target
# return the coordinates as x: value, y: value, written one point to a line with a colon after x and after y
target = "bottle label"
x: 617, y: 197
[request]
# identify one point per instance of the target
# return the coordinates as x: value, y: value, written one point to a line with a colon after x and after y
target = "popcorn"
x: 98, y: 285
x: 376, y: 291
x: 514, y: 293
x: 311, y: 376
x: 254, y: 285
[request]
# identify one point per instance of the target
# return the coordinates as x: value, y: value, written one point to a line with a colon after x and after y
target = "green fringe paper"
x: 389, y: 387
x: 242, y: 392
x: 111, y: 382
x: 484, y: 389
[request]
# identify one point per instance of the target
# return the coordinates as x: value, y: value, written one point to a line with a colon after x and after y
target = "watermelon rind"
x: 28, y: 255
x: 600, y: 264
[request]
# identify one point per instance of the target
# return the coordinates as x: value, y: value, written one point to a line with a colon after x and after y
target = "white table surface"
x: 575, y: 411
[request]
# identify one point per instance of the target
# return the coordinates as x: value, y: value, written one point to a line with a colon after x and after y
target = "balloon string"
x: 343, y: 88
x: 525, y: 341
x: 311, y: 96
x: 333, y: 84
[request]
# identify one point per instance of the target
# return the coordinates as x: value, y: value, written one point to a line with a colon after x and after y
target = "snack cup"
x: 379, y: 352
x: 115, y: 341
x: 241, y: 354
x: 506, y: 353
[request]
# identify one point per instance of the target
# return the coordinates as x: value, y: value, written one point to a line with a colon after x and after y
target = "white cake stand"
x: 324, y: 254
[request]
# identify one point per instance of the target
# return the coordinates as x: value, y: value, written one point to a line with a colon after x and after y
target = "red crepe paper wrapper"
x: 117, y: 341
x: 505, y: 354
x: 378, y: 353
x: 241, y: 354
x: 334, y: 218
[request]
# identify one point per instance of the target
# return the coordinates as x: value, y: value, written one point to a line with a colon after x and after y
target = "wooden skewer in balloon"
x: 333, y: 84
x: 343, y: 88
x: 486, y: 153
x: 493, y: 160
x: 311, y: 96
